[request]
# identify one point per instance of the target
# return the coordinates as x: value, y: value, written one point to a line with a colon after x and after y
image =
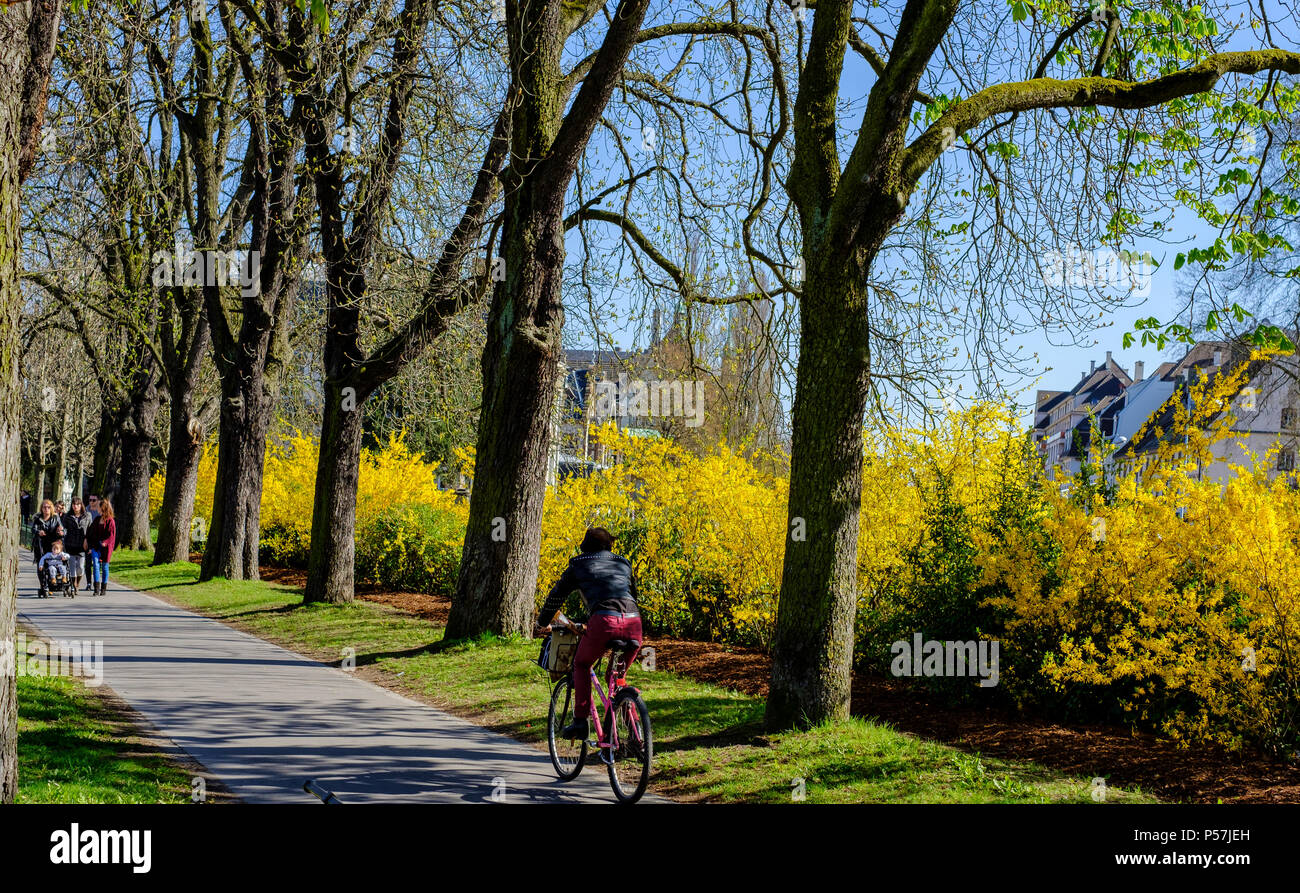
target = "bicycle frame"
x: 607, y: 701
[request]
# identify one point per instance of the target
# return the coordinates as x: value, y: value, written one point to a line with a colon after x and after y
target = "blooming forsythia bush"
x: 408, y: 532
x: 1156, y: 598
x: 704, y: 534
x: 1173, y: 599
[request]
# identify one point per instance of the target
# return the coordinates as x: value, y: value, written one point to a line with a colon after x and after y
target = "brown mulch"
x: 427, y: 607
x: 1126, y: 758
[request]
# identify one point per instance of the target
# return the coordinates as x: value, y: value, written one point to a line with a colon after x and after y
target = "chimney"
x: 1108, y: 358
x: 1092, y: 366
x: 1137, y: 370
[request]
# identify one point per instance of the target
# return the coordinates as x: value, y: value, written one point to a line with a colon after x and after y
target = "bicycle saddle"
x: 627, y: 646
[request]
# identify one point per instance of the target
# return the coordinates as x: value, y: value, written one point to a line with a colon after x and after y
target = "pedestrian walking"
x: 100, y: 538
x: 76, y: 525
x: 46, y: 528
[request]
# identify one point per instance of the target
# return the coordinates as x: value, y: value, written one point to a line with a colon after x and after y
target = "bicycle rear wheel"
x: 566, y: 755
x: 629, y: 761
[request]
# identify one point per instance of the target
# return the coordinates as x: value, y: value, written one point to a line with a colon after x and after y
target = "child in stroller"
x: 54, y: 572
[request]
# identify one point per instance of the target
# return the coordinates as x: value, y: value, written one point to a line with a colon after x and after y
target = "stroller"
x: 54, y: 575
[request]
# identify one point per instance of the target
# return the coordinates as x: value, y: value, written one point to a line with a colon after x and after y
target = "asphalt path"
x: 264, y: 720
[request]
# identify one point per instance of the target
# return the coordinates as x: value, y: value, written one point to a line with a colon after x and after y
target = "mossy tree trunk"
x: 132, y: 506
x: 499, y: 560
x: 27, y: 36
x: 184, y: 357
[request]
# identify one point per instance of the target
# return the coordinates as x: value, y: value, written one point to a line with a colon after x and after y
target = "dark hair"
x: 597, y: 540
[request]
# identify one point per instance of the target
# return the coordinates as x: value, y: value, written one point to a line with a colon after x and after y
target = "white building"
x: 1265, y: 412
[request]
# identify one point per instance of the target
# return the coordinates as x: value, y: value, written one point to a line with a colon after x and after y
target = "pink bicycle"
x: 624, y: 741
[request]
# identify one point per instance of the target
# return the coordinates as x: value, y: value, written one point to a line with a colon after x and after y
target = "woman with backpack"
x: 76, y: 523
x: 100, y: 539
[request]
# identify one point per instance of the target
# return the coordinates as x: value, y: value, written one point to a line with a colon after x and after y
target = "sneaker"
x: 575, y: 729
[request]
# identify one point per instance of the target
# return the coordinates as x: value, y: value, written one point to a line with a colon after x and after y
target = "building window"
x: 1288, y: 419
x: 1286, y: 460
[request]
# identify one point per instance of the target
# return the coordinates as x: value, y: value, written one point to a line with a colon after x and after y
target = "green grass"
x: 709, y: 741
x: 71, y: 749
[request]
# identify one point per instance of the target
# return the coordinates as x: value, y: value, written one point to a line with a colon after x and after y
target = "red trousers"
x: 600, y: 629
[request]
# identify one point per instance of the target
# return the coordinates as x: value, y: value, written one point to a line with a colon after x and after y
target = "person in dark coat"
x: 25, y: 506
x: 76, y: 524
x: 46, y: 528
x: 608, y: 589
x: 100, y: 539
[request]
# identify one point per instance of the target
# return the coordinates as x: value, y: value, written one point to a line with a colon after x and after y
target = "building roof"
x: 1048, y: 399
x: 580, y: 359
x: 1199, y: 356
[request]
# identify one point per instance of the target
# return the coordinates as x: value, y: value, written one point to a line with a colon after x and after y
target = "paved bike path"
x: 263, y: 719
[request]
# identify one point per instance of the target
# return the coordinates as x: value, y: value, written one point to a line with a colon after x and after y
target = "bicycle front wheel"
x: 630, y: 757
x: 566, y: 755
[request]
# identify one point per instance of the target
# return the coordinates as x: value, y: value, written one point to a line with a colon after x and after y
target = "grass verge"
x: 74, y: 747
x: 709, y: 742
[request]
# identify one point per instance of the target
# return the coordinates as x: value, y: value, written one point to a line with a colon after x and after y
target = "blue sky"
x: 1061, y: 360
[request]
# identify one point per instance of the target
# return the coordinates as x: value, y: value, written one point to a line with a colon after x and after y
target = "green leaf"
x: 320, y: 13
x: 1179, y: 261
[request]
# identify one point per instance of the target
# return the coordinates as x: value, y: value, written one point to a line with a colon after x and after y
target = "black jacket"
x: 604, y: 579
x: 51, y: 527
x: 74, y: 536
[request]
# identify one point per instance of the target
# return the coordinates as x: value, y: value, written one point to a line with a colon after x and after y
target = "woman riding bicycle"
x: 609, y: 593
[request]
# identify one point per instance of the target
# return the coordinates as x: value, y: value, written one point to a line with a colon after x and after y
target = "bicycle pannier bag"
x: 563, y: 646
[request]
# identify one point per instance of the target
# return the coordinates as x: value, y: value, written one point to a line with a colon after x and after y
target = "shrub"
x: 1183, y: 617
x: 411, y: 547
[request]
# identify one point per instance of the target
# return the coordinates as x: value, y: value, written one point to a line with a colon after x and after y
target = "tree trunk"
x: 103, y: 481
x: 13, y: 47
x: 27, y: 33
x: 39, y: 492
x: 496, y: 587
x: 132, y: 506
x: 185, y: 439
x: 61, y: 460
x: 812, y: 649
x: 233, y: 535
x: 332, y: 566
x: 176, y: 514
